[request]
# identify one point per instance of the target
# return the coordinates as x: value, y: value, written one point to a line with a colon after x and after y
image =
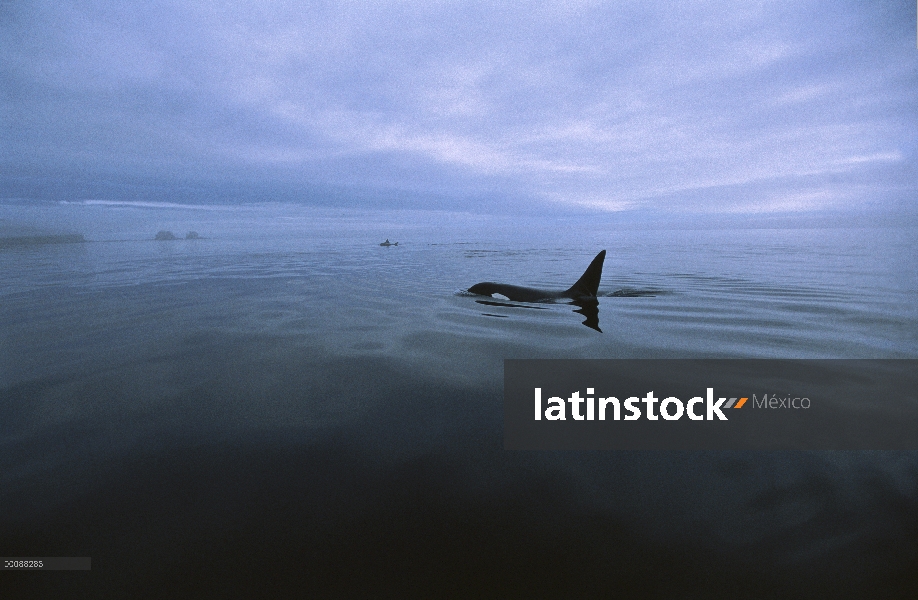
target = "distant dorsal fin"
x: 588, y: 284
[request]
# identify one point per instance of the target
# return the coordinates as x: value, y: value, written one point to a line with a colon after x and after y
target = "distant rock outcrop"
x: 192, y: 235
x: 165, y: 236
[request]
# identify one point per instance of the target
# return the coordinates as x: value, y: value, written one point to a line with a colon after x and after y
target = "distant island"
x: 40, y: 240
x: 165, y: 236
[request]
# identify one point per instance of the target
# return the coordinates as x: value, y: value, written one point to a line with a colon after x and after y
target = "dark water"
x: 287, y: 407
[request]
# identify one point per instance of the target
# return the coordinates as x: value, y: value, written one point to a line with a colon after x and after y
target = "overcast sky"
x: 738, y: 107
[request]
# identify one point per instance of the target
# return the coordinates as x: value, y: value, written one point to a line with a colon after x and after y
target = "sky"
x: 738, y: 108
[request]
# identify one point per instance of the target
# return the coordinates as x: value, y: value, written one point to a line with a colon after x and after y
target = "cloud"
x: 582, y: 104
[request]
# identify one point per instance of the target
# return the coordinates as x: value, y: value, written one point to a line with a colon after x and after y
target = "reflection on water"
x: 590, y: 310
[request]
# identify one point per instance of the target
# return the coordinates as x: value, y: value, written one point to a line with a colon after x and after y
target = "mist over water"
x: 285, y: 400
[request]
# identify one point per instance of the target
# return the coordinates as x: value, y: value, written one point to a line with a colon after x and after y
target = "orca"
x: 583, y: 291
x: 388, y: 243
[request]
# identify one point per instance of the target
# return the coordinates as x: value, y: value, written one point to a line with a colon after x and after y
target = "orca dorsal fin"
x: 588, y: 284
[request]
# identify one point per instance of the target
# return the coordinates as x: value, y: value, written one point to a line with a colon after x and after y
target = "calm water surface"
x: 174, y: 409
